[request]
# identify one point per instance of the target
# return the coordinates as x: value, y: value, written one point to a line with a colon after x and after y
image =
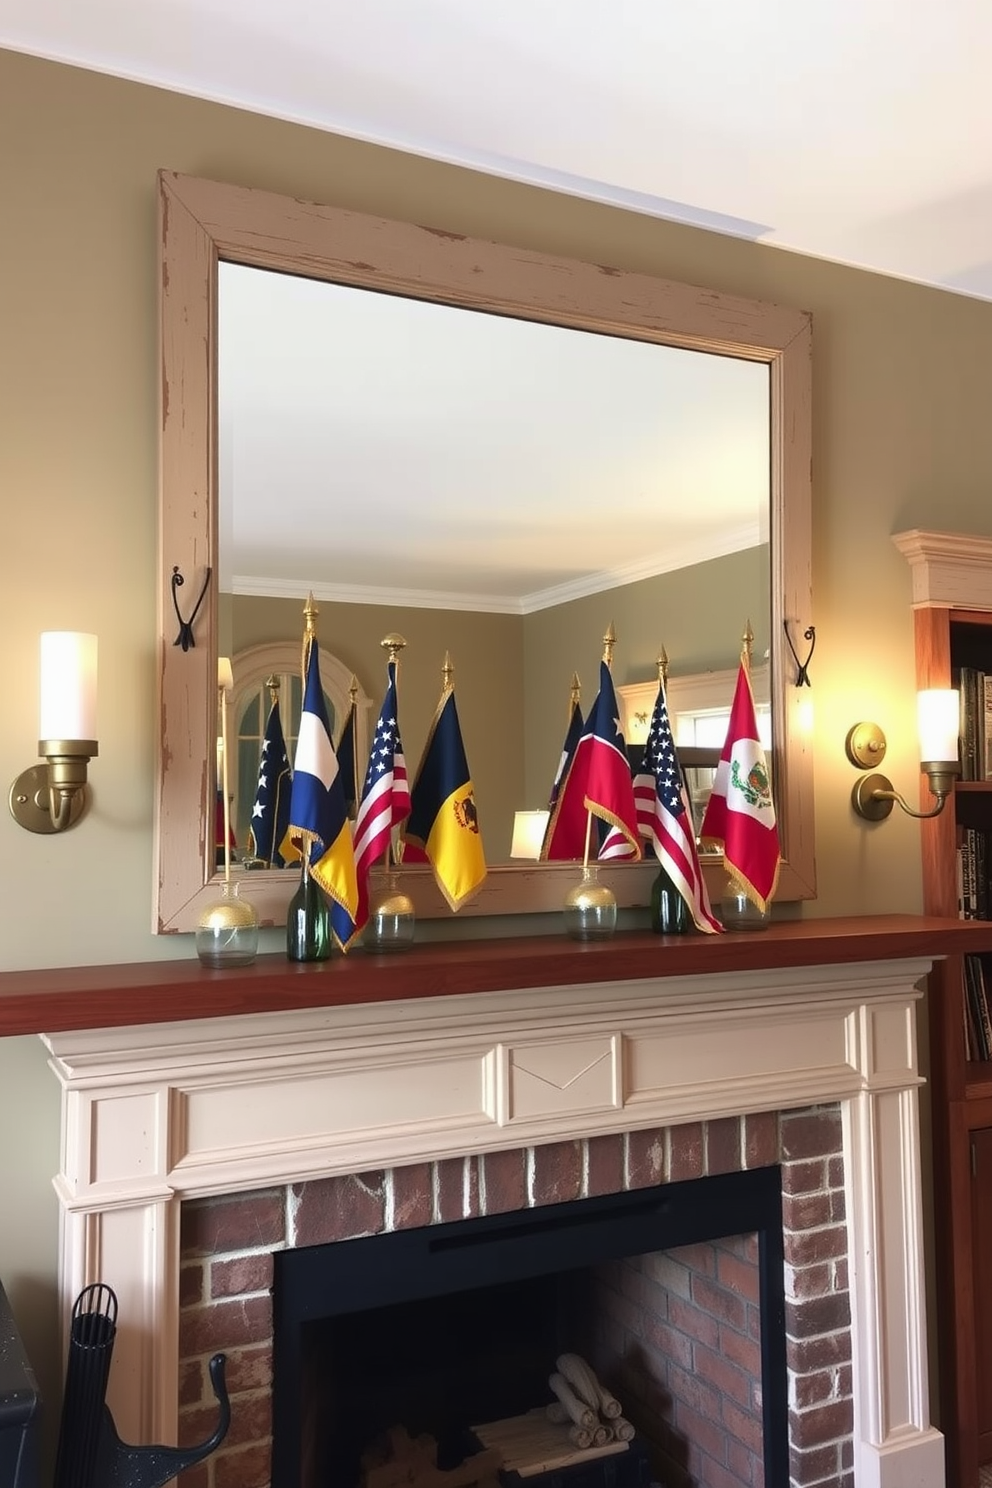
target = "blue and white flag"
x: 318, y: 818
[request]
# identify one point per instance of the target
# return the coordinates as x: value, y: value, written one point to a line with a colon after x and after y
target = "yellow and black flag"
x: 443, y: 825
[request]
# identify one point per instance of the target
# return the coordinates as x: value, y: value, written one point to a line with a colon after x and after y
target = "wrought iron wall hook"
x: 185, y: 638
x: 802, y: 667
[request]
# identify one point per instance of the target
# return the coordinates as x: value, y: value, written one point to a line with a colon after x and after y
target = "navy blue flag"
x: 572, y: 737
x: 270, y: 813
x: 348, y: 763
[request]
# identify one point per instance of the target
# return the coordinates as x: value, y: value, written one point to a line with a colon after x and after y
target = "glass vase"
x: 392, y: 920
x: 227, y: 933
x: 738, y: 912
x: 669, y: 911
x: 590, y: 907
x: 308, y: 922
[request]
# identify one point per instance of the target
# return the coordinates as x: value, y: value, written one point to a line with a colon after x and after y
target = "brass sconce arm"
x: 873, y: 796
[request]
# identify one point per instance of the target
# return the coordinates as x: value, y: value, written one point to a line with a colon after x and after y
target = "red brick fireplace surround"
x: 708, y: 1365
x: 604, y: 1064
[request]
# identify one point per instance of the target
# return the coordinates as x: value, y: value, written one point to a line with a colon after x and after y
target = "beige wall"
x: 902, y: 437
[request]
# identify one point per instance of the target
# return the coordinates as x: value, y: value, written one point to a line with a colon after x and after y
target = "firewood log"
x: 580, y: 1413
x: 587, y: 1387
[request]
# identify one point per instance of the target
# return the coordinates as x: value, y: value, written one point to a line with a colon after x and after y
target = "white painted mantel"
x: 156, y: 1114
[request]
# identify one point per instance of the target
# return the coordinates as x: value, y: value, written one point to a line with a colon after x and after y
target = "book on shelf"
x: 968, y: 720
x: 978, y: 1045
x: 973, y: 870
x: 975, y: 723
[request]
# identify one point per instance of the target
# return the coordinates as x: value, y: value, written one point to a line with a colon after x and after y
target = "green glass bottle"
x: 308, y: 922
x: 669, y: 911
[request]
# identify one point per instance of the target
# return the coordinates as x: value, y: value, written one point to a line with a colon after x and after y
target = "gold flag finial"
x: 353, y: 690
x: 393, y: 643
x: 609, y: 641
x: 309, y: 631
x: 747, y: 641
x: 576, y: 693
x: 447, y: 672
x: 661, y: 662
x: 273, y: 684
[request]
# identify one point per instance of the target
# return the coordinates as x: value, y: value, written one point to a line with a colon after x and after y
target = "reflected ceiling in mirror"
x: 381, y: 449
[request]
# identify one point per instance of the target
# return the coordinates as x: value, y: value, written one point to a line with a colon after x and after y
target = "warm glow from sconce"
x: 937, y: 712
x: 68, y: 685
x: 528, y: 833
x: 51, y: 797
x: 937, y: 719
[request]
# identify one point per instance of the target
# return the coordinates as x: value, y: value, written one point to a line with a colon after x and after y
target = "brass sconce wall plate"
x: 52, y: 797
x: 865, y: 801
x: 865, y: 746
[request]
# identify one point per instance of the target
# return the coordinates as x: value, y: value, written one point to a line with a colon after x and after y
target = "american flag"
x: 664, y: 818
x: 385, y: 795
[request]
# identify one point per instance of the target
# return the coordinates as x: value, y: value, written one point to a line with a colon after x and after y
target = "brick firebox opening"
x: 226, y: 1273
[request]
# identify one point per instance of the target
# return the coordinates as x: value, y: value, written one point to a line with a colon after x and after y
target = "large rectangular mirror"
x: 680, y: 387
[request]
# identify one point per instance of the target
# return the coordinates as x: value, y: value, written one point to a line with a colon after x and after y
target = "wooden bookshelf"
x: 947, y: 639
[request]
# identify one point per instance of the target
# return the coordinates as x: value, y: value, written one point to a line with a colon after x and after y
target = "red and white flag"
x: 598, y: 782
x: 740, y: 812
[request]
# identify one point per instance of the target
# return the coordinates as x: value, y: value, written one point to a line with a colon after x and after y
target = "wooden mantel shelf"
x: 52, y: 1001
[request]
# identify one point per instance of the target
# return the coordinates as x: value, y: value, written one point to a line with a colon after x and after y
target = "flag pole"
x: 310, y: 613
x: 353, y: 715
x: 225, y: 684
x: 609, y: 641
x: 393, y: 644
x: 747, y: 641
x: 575, y: 696
x: 223, y: 744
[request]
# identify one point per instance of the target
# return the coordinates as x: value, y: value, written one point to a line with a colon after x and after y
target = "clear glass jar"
x: 738, y: 912
x: 590, y: 907
x: 392, y: 920
x: 308, y: 922
x: 227, y: 933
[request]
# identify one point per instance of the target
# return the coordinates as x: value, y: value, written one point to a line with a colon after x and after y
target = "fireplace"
x: 439, y: 1328
x: 351, y: 1120
x: 782, y: 1174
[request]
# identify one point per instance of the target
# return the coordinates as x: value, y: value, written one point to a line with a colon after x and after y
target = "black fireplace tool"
x: 90, y: 1453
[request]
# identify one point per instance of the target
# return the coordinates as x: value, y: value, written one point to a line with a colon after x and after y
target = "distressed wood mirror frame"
x: 202, y: 222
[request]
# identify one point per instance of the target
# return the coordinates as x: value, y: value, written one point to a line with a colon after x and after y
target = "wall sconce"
x: 52, y: 796
x: 528, y: 833
x: 937, y: 720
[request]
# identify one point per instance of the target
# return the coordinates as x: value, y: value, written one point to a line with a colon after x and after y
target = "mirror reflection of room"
x: 495, y: 487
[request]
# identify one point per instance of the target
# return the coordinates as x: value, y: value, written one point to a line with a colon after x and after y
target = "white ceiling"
x: 854, y: 130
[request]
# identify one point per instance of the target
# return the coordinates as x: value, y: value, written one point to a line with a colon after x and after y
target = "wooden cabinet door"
x: 981, y: 1220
